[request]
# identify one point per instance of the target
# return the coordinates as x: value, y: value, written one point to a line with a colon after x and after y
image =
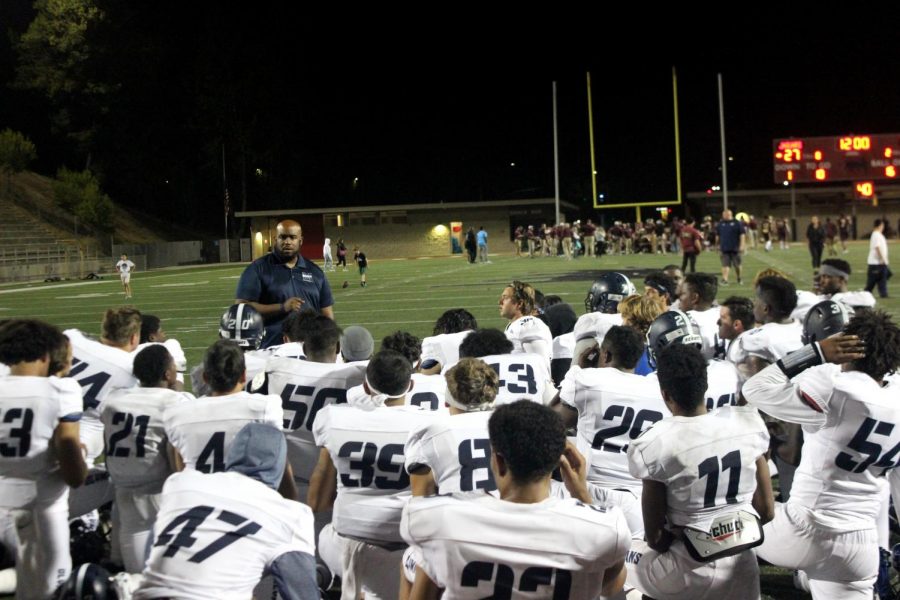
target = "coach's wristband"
x: 799, y: 360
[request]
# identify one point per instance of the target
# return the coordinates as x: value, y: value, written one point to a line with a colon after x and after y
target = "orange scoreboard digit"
x: 837, y: 158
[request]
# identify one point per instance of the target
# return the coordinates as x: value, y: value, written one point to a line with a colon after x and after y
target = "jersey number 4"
x: 504, y: 579
x: 189, y: 520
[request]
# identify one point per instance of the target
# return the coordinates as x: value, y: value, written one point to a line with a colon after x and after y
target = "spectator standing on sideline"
x: 815, y: 235
x: 691, y: 245
x: 844, y: 231
x: 588, y: 231
x: 878, y: 272
x: 125, y: 267
x: 533, y: 241
x: 481, y: 237
x: 732, y: 241
x: 518, y: 238
x: 360, y: 257
x: 326, y: 255
x: 470, y: 245
x: 342, y: 253
x: 831, y: 232
x: 283, y: 282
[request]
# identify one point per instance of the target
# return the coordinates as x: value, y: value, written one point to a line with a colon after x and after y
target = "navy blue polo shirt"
x: 269, y: 281
x: 730, y: 235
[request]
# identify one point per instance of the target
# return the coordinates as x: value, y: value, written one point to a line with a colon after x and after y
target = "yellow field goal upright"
x: 636, y: 204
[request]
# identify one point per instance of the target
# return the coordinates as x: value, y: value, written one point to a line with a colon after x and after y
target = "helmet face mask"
x: 671, y: 327
x: 243, y: 324
x: 824, y: 320
x: 607, y: 291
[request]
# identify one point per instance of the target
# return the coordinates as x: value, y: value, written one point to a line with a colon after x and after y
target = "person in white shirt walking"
x: 878, y: 272
x: 125, y: 267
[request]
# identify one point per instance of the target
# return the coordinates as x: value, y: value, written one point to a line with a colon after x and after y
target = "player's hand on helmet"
x: 840, y: 348
x: 292, y: 304
x: 573, y: 468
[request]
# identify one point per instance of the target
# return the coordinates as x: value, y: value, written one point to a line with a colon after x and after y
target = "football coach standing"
x: 283, y: 282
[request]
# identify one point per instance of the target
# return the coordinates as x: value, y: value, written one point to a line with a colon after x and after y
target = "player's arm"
x: 287, y: 488
x: 327, y: 311
x: 177, y: 460
x: 613, y: 579
x: 654, y: 506
x: 568, y: 413
x: 67, y: 444
x: 322, y: 484
x: 268, y: 310
x: 573, y: 468
x: 424, y: 588
x: 294, y: 575
x: 421, y: 481
x: 802, y: 401
x: 763, y: 498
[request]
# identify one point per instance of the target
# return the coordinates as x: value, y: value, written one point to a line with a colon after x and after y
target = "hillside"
x: 35, y: 193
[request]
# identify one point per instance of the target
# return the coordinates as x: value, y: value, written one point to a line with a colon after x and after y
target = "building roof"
x: 407, y: 207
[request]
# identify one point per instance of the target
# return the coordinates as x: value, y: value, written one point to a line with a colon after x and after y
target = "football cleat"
x: 243, y: 324
x: 607, y: 291
x: 824, y: 320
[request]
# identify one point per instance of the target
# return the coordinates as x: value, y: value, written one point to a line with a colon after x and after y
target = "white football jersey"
x: 99, y: 369
x: 858, y: 299
x: 305, y: 388
x: 367, y: 450
x: 530, y: 334
x: 135, y: 437
x: 522, y: 377
x: 175, y: 349
x: 443, y: 348
x: 457, y: 449
x: 124, y: 266
x: 429, y: 391
x: 215, y: 535
x: 203, y: 429
x: 770, y: 342
x: 4, y: 370
x: 478, y: 546
x: 287, y: 350
x: 692, y: 455
x: 805, y: 301
x: 255, y: 362
x: 30, y: 410
x: 707, y: 322
x: 595, y: 325
x: 722, y: 384
x: 564, y: 346
x: 614, y: 408
x: 850, y: 438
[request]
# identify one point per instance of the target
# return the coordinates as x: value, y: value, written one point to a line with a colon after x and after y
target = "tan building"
x: 405, y: 230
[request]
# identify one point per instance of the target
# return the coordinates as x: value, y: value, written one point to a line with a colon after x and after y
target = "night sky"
x: 433, y: 108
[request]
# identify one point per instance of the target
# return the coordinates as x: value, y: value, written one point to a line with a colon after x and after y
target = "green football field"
x: 402, y: 294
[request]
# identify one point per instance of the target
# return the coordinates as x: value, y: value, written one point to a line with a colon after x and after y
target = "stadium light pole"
x: 555, y: 156
x: 722, y: 136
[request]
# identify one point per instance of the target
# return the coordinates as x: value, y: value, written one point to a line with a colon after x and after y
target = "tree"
x: 79, y: 193
x: 16, y: 151
x: 54, y: 60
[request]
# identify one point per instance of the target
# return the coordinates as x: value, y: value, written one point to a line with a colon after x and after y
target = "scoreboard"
x: 840, y: 158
